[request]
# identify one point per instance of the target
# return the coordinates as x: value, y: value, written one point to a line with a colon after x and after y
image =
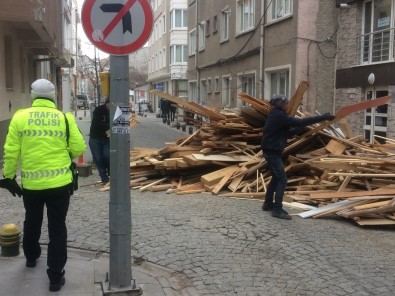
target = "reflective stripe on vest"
x: 44, y: 173
x: 42, y: 133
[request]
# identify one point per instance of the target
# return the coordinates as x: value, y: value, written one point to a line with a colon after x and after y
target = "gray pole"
x: 119, y: 208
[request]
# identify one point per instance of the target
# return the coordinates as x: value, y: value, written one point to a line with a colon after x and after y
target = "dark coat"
x: 100, y: 122
x: 279, y: 126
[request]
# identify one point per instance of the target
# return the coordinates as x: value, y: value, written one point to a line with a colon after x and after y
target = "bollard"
x: 178, y: 125
x: 10, y: 240
x: 184, y: 127
x: 190, y: 130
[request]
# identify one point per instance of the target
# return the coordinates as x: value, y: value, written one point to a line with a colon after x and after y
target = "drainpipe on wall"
x: 197, y: 53
x: 261, y: 53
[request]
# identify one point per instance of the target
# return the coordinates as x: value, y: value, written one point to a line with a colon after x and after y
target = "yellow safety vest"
x: 37, y: 137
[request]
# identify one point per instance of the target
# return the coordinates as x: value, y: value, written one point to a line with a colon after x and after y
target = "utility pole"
x: 98, y: 93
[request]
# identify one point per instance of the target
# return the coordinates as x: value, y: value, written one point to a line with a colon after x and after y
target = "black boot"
x: 281, y: 214
x: 267, y: 207
x: 56, y: 280
x: 32, y: 262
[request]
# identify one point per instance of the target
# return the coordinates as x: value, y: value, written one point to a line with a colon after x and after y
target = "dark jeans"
x: 100, y: 149
x: 278, y: 182
x: 57, y: 202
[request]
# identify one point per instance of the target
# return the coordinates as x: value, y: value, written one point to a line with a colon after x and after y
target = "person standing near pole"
x: 278, y: 127
x: 39, y: 137
x: 99, y: 140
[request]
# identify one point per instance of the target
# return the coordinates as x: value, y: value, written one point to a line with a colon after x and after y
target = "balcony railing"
x: 376, y: 47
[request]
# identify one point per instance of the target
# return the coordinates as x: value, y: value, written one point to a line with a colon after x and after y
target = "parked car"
x: 83, y: 101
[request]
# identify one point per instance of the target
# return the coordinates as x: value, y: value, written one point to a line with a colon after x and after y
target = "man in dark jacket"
x: 278, y: 127
x: 99, y: 141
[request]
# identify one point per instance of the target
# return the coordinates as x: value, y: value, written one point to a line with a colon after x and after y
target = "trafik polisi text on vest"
x: 43, y: 119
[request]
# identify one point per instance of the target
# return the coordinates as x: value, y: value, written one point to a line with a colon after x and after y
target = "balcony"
x: 375, y: 47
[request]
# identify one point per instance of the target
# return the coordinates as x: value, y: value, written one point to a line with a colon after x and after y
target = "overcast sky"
x: 86, y: 45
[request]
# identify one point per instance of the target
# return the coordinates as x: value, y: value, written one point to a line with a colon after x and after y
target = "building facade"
x: 261, y: 48
x: 224, y: 51
x: 168, y: 49
x: 34, y: 43
x: 365, y: 67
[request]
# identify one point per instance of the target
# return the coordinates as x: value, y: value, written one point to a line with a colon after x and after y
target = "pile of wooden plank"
x: 329, y: 171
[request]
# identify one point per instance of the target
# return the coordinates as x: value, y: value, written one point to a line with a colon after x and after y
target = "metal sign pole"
x: 120, y: 208
x: 119, y: 37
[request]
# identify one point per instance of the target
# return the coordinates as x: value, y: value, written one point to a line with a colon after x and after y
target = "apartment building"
x: 262, y: 48
x: 168, y: 49
x: 365, y: 67
x: 33, y: 44
x: 224, y: 51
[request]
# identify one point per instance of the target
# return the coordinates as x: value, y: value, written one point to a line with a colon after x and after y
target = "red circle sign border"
x: 117, y: 50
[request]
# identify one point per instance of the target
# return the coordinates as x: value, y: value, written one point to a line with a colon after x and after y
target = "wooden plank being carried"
x: 257, y: 104
x: 297, y: 98
x: 347, y: 110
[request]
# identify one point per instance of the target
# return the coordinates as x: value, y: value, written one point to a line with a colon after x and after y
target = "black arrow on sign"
x: 126, y: 19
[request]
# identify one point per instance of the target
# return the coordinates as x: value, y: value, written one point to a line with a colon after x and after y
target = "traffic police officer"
x: 37, y: 136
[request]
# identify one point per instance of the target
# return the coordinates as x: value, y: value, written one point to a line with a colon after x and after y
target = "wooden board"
x: 335, y: 147
x: 347, y: 110
x: 331, y: 207
x: 297, y: 98
x: 221, y: 157
x: 351, y: 194
x: 214, y: 177
x: 375, y: 222
x: 223, y: 181
x: 189, y: 105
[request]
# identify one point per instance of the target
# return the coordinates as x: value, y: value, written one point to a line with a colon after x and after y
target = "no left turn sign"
x: 117, y: 27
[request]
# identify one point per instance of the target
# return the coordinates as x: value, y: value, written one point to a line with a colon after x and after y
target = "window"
x: 216, y: 84
x: 280, y: 8
x: 225, y: 25
x: 207, y: 27
x: 193, y: 92
x: 248, y: 84
x: 279, y: 83
x: 202, y: 36
x: 209, y: 87
x: 163, y: 25
x: 375, y: 126
x: 192, y: 42
x: 375, y: 45
x: 182, y: 87
x: 245, y: 15
x: 203, y: 92
x: 226, y: 91
x: 215, y: 24
x: 164, y: 57
x: 23, y: 69
x: 178, y: 54
x: 178, y: 18
x: 9, y: 67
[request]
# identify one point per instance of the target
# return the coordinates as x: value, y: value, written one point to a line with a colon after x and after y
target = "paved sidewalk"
x: 85, y: 273
x: 220, y: 246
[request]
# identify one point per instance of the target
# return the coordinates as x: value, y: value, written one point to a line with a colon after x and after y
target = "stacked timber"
x: 330, y: 172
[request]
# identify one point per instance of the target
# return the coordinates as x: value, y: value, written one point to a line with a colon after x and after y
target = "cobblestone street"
x: 228, y: 246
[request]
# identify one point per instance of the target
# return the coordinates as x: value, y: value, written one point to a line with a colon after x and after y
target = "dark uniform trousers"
x: 57, y: 202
